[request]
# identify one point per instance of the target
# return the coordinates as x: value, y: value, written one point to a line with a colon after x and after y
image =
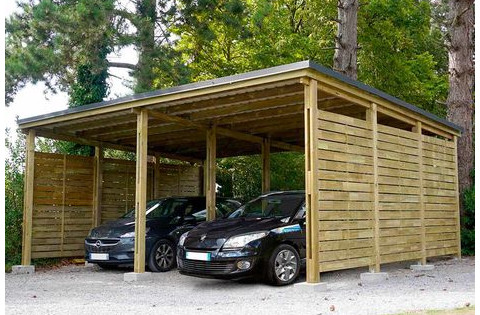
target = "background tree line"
x: 418, y: 50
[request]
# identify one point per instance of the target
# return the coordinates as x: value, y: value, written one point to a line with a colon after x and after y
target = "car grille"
x: 207, y: 267
x: 100, y: 245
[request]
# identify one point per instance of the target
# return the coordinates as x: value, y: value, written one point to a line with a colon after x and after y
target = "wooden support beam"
x: 95, y: 143
x: 28, y: 198
x: 156, y: 177
x: 266, y: 165
x: 311, y: 181
x: 423, y: 235
x: 210, y: 173
x: 141, y: 191
x: 457, y: 208
x: 223, y: 131
x: 97, y: 186
x: 372, y: 121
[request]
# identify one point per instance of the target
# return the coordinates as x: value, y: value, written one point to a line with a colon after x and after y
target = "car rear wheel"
x: 283, y: 265
x: 162, y: 256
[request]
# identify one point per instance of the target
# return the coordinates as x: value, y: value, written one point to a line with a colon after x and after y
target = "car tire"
x: 107, y: 266
x: 283, y: 266
x: 162, y: 256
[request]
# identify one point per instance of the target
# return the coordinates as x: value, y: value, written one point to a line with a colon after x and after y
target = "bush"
x: 468, y: 220
x: 13, y: 199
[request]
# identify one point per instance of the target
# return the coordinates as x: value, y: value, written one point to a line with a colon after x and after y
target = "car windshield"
x: 277, y: 205
x: 160, y: 208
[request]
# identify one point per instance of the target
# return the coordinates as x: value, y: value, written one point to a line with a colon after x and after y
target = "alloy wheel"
x: 285, y: 265
x: 164, y: 256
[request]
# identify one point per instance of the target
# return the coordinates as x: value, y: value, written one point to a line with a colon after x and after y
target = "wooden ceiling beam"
x: 222, y: 131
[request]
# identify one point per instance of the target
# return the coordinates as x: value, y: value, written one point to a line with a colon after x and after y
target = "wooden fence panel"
x: 345, y: 175
x: 440, y: 196
x: 399, y: 195
x: 63, y: 197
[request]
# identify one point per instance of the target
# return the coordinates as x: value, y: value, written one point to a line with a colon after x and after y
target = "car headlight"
x: 182, y: 239
x: 132, y: 233
x: 240, y: 241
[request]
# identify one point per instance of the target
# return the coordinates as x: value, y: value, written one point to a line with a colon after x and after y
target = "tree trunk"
x: 147, y: 15
x: 460, y: 108
x: 345, y: 58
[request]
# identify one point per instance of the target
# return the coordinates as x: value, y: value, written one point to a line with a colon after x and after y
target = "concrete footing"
x: 311, y: 287
x: 373, y: 277
x: 422, y: 267
x: 89, y: 265
x: 135, y: 276
x: 23, y: 269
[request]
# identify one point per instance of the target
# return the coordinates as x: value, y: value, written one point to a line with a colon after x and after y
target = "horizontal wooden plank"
x: 344, y: 166
x: 344, y: 157
x: 399, y: 206
x: 387, y: 232
x: 438, y: 149
x: 397, y: 215
x: 398, y: 181
x: 384, y: 259
x: 398, y: 164
x: 344, y: 176
x: 345, y: 215
x: 397, y: 148
x: 345, y: 205
x: 437, y: 141
x: 344, y: 186
x: 346, y: 244
x: 440, y: 229
x: 400, y: 248
x: 344, y: 138
x: 401, y: 173
x: 345, y: 264
x: 397, y: 132
x: 397, y: 141
x: 338, y: 118
x: 442, y: 251
x: 441, y: 236
x: 343, y: 195
x: 53, y: 254
x: 441, y: 244
x: 390, y: 189
x: 396, y: 156
x: 344, y: 129
x: 344, y: 254
x: 343, y: 147
x: 401, y: 223
x: 398, y: 240
x: 343, y: 225
x: 439, y: 199
x: 344, y: 234
x: 440, y: 207
x: 398, y: 198
x: 437, y: 177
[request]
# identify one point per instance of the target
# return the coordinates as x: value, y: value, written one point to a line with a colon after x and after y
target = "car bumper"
x: 222, y: 265
x: 120, y: 251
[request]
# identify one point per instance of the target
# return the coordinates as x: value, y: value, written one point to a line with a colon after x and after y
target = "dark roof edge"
x: 307, y: 64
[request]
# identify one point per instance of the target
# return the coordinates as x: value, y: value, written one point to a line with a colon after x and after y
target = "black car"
x: 264, y: 237
x: 112, y: 244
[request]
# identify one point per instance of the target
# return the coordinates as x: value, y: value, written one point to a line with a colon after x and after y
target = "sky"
x: 34, y: 100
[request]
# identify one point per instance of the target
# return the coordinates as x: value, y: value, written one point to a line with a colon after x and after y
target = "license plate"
x: 99, y: 256
x: 198, y: 256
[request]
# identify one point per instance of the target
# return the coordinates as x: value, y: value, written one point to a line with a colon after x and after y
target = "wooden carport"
x: 300, y: 107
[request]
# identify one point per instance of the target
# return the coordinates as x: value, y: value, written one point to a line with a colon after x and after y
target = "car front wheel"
x: 283, y: 265
x: 162, y: 256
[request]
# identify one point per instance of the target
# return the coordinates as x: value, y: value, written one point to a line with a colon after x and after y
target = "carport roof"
x: 265, y: 103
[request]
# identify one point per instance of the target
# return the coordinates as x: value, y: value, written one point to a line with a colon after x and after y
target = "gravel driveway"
x: 87, y: 290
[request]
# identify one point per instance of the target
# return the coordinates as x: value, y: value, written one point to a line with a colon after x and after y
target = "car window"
x: 302, y: 212
x: 173, y: 207
x: 151, y: 206
x: 278, y: 205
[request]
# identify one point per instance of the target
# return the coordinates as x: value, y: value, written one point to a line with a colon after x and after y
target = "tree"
x: 460, y: 108
x: 345, y: 58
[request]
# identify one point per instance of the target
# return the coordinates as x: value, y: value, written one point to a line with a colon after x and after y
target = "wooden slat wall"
x: 63, y: 197
x: 345, y: 174
x: 399, y: 195
x: 118, y: 190
x: 62, y: 211
x: 440, y: 196
x: 346, y: 195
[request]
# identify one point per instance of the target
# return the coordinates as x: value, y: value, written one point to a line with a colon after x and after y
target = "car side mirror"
x: 189, y: 219
x: 302, y: 221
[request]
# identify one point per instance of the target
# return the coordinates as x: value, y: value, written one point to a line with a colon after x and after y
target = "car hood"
x: 116, y: 228
x: 212, y: 235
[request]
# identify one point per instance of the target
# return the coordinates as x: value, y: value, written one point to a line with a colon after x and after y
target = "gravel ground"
x: 84, y: 290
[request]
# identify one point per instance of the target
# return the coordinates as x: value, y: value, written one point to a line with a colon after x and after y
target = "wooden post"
x: 97, y: 187
x: 141, y: 191
x: 372, y: 121
x: 311, y: 181
x: 423, y: 241
x: 266, y: 165
x: 210, y: 173
x: 459, y: 242
x: 156, y: 177
x: 28, y: 198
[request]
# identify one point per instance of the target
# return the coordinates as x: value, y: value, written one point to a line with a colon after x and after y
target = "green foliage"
x: 402, y: 53
x: 241, y: 176
x: 468, y: 220
x: 13, y: 198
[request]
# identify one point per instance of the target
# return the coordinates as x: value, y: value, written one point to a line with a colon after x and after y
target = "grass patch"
x: 469, y: 310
